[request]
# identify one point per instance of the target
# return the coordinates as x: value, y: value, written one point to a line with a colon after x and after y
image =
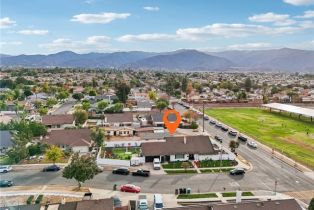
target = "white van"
x: 156, y: 164
x: 158, y: 204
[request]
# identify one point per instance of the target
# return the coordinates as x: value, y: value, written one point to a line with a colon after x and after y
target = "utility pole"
x: 220, y: 157
x: 203, y: 116
x: 276, y: 183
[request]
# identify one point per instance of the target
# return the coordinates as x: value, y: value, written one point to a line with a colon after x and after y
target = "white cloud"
x: 92, y: 43
x: 145, y: 37
x: 97, y: 39
x: 151, y: 8
x: 102, y: 18
x: 33, y: 32
x: 307, y: 14
x: 299, y: 2
x: 249, y: 46
x: 277, y: 19
x: 6, y: 22
x: 89, y: 1
x: 11, y: 43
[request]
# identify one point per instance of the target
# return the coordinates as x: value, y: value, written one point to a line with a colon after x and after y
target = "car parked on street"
x: 6, y: 183
x: 51, y: 168
x: 5, y: 168
x: 223, y: 128
x: 121, y: 171
x: 218, y: 139
x: 242, y: 138
x: 252, y: 144
x: 237, y: 171
x: 130, y: 188
x: 233, y: 133
x: 141, y: 172
x: 206, y: 117
x: 218, y: 125
x: 142, y: 203
x: 213, y: 122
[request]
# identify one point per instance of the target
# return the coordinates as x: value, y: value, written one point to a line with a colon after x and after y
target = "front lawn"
x: 215, y: 163
x: 233, y: 194
x: 121, y: 153
x: 195, y: 196
x: 288, y: 134
x: 177, y: 164
x: 189, y: 171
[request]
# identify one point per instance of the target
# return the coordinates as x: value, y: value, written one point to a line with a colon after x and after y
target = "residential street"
x: 266, y: 171
x: 65, y: 108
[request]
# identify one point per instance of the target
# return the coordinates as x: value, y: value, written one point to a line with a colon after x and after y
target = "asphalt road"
x: 65, y: 108
x: 263, y: 176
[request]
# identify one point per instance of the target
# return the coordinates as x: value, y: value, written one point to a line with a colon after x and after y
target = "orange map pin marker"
x: 171, y: 126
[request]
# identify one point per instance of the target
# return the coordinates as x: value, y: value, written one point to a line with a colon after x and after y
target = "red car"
x: 130, y: 188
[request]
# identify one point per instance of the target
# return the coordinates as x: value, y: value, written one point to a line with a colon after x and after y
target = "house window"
x: 179, y: 156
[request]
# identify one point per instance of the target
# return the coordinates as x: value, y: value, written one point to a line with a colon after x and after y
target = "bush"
x: 39, y: 199
x: 194, y: 125
x: 30, y: 199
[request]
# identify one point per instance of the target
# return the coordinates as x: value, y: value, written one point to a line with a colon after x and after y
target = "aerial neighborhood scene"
x: 157, y: 105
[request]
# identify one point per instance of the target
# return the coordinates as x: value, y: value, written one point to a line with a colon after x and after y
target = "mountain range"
x: 285, y: 59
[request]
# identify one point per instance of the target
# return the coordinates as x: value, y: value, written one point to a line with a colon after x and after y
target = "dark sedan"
x: 121, y: 171
x: 51, y: 168
x: 6, y: 183
x: 232, y: 133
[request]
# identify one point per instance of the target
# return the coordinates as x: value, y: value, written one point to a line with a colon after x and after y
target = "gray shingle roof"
x: 5, y: 139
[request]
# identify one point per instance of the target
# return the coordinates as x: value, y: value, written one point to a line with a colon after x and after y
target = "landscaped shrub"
x: 39, y: 199
x: 30, y: 199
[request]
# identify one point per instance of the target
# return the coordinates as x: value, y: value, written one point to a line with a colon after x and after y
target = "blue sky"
x: 37, y: 26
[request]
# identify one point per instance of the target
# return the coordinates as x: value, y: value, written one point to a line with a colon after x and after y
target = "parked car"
x: 213, y: 122
x: 242, y: 138
x: 237, y: 171
x: 142, y: 203
x: 6, y: 183
x: 224, y: 128
x: 218, y: 139
x: 206, y: 118
x: 158, y: 203
x: 218, y: 125
x: 5, y: 168
x: 141, y: 172
x: 130, y: 188
x: 233, y: 133
x: 252, y: 144
x: 121, y: 171
x: 51, y: 168
x: 156, y: 164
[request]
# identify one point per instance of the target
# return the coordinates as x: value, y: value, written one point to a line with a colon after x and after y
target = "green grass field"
x: 288, y: 134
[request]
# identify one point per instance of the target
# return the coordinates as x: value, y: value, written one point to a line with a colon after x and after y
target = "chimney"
x: 184, y: 139
x: 238, y: 196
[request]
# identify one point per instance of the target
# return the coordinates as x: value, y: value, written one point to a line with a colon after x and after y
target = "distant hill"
x: 185, y: 60
x: 190, y: 60
x: 284, y: 59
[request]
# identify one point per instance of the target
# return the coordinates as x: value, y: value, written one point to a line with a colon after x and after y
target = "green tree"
x: 184, y: 84
x: 233, y: 145
x: 81, y: 168
x: 311, y: 205
x: 194, y: 125
x: 123, y: 91
x: 43, y: 111
x: 101, y: 105
x: 80, y: 116
x: 248, y: 84
x: 86, y: 105
x: 78, y: 96
x: 161, y: 104
x: 98, y: 136
x: 37, y: 129
x: 62, y: 95
x: 51, y: 102
x: 152, y: 95
x: 54, y: 154
x: 92, y: 92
